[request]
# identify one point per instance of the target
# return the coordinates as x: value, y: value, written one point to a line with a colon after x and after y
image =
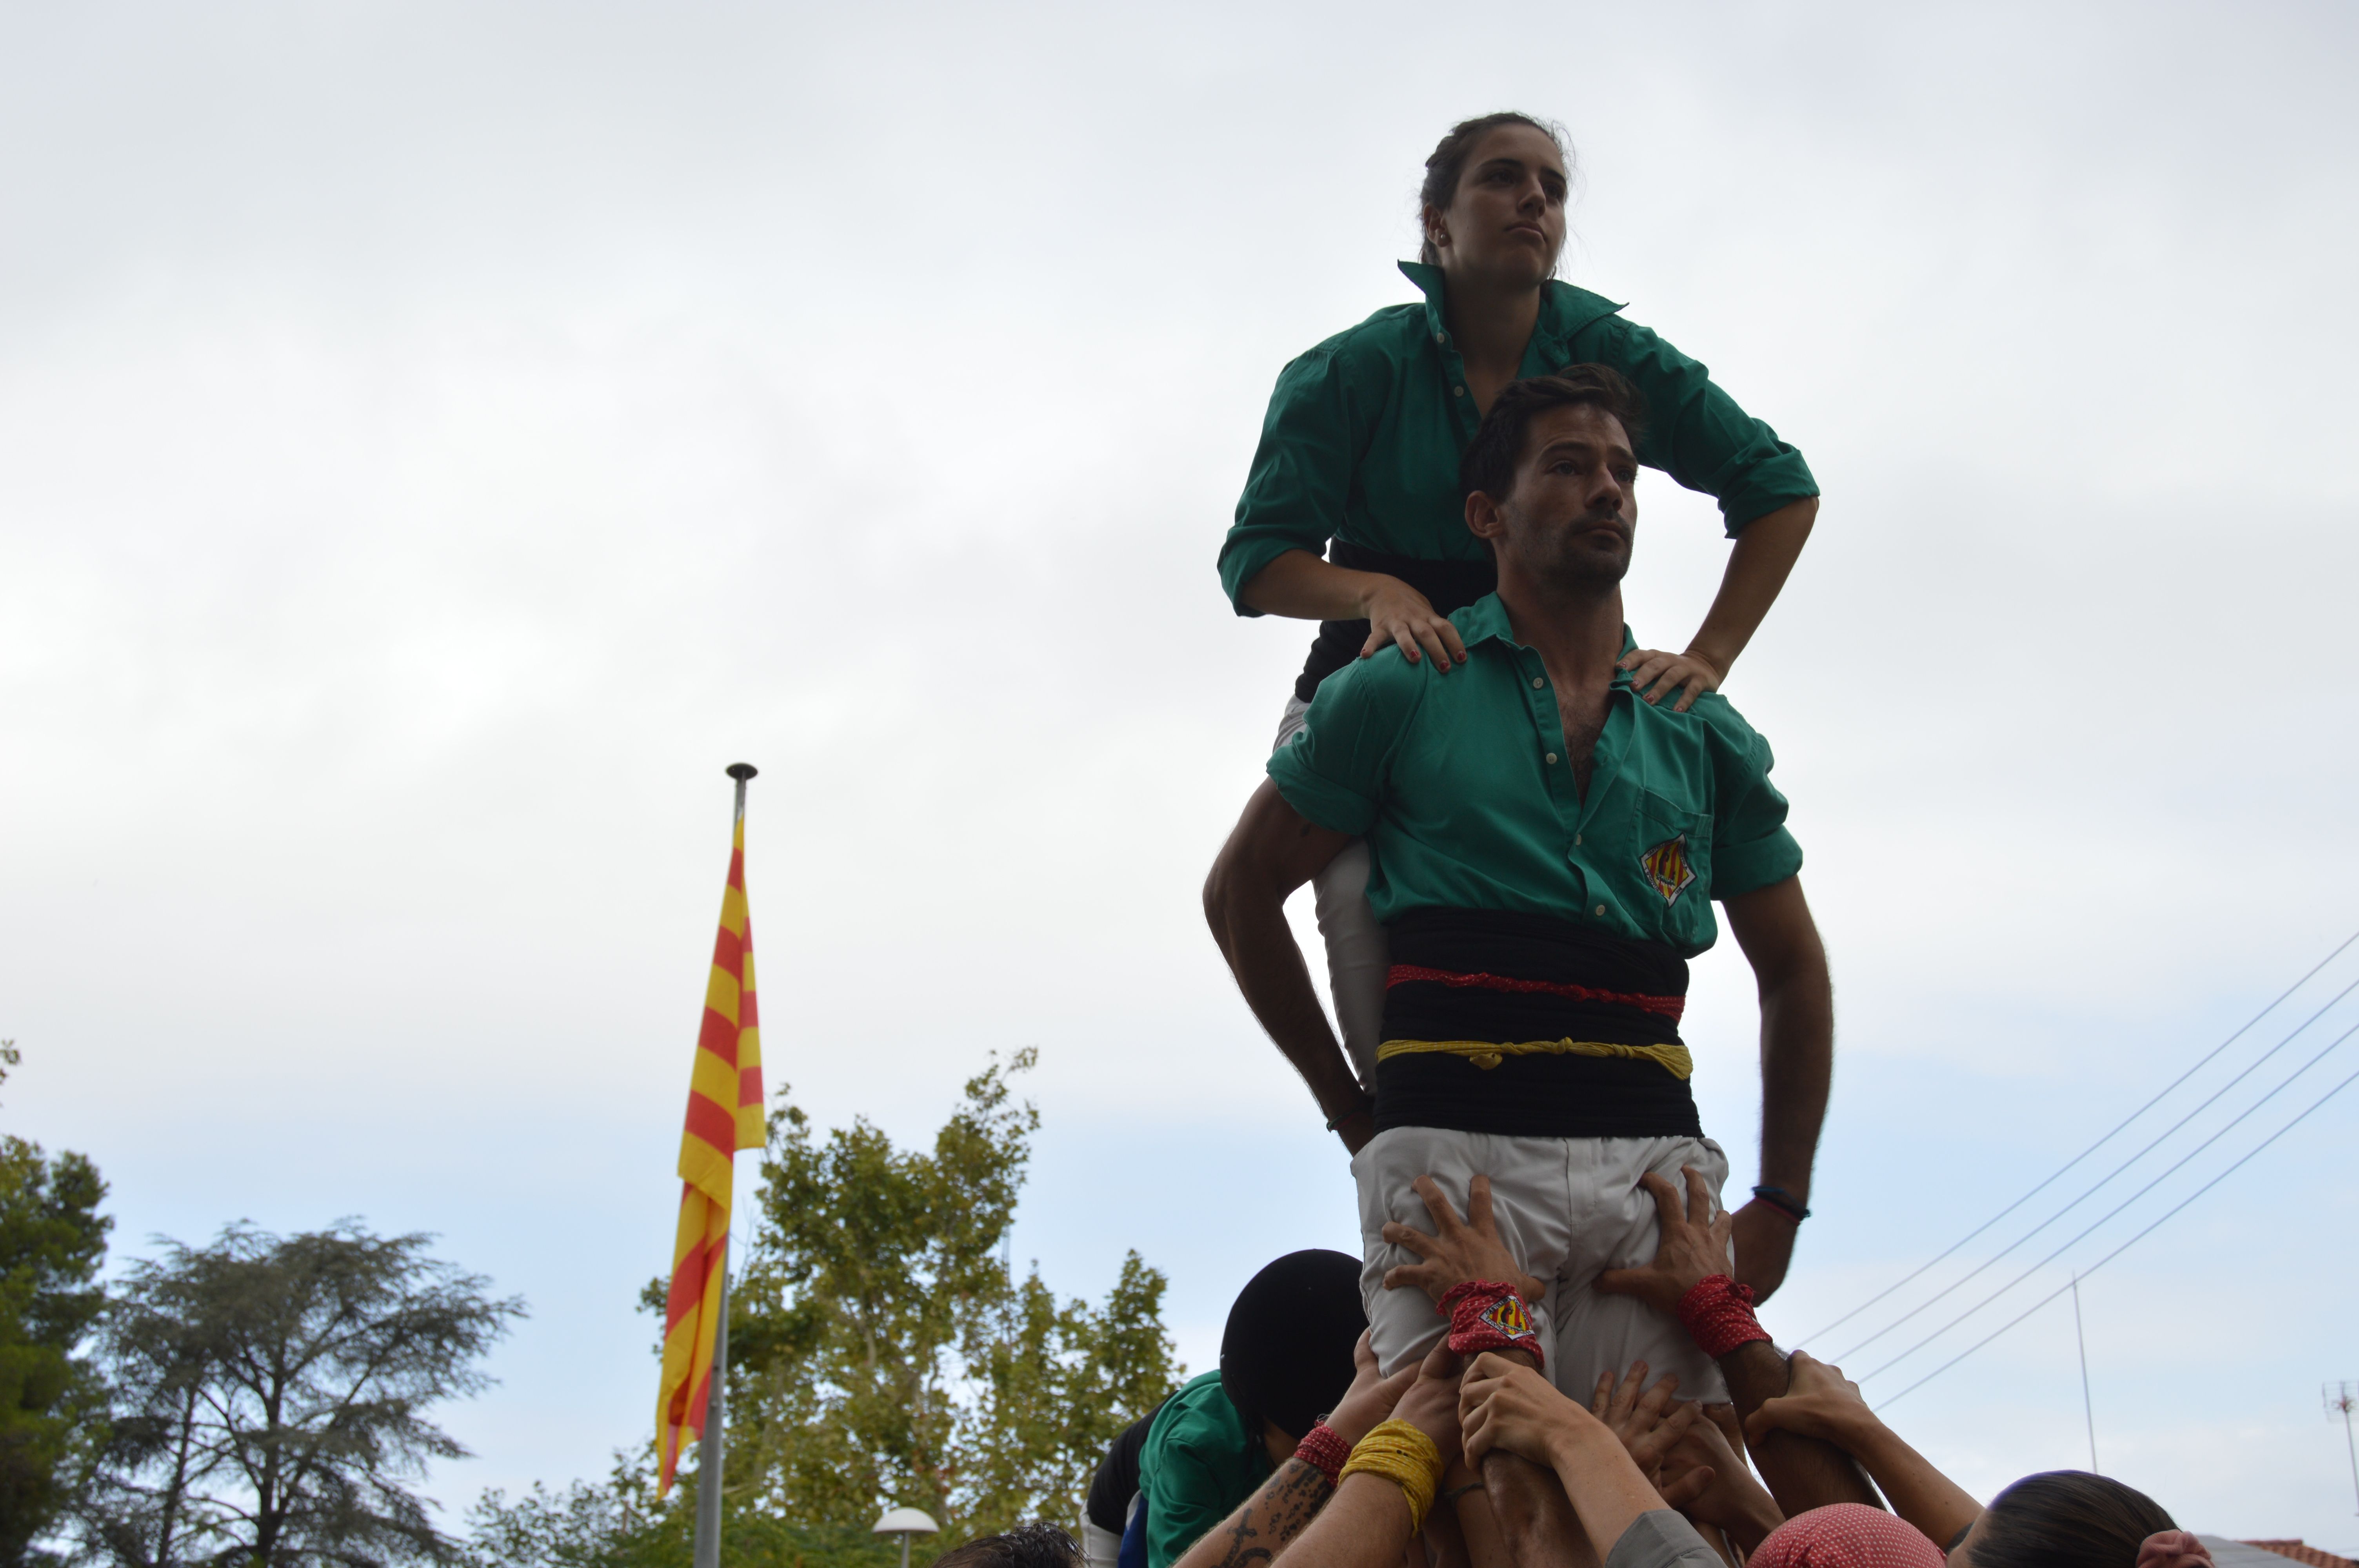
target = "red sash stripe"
x: 1669, y: 1007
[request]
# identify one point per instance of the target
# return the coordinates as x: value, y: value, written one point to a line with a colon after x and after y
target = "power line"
x: 2091, y: 1149
x: 2119, y: 1207
x: 2199, y: 1108
x: 2124, y: 1247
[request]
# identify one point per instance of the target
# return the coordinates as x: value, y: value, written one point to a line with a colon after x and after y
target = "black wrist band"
x: 1783, y: 1202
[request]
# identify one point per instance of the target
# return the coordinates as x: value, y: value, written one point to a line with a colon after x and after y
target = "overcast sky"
x: 435, y: 440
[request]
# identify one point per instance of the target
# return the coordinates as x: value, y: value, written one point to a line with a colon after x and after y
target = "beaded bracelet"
x: 1405, y: 1456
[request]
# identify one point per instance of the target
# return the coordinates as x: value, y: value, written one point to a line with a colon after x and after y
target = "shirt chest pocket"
x: 1673, y: 848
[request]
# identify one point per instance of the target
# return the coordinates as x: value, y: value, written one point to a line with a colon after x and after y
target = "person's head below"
x: 1286, y: 1355
x: 2062, y: 1519
x: 1493, y: 202
x: 1033, y: 1545
x: 1550, y: 480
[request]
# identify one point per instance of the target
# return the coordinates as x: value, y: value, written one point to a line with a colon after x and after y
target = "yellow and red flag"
x: 724, y: 1115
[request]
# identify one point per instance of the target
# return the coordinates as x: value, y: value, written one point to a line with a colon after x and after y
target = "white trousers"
x: 1357, y: 951
x: 1569, y: 1208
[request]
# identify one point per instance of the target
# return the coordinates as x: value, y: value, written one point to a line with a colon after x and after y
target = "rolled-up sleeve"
x: 1301, y: 473
x: 1335, y: 769
x: 1697, y: 434
x: 1751, y: 848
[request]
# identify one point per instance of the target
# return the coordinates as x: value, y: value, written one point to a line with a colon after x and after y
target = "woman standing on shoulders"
x: 1352, y: 517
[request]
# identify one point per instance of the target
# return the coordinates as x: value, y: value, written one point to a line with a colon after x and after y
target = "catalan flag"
x: 724, y: 1115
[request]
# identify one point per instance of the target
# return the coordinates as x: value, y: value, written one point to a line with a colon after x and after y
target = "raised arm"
x: 1274, y: 850
x: 1773, y: 925
x: 1822, y: 1403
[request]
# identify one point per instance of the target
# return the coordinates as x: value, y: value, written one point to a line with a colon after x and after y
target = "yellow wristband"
x: 1405, y: 1456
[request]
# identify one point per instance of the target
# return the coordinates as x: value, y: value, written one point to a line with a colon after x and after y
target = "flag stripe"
x: 724, y: 1115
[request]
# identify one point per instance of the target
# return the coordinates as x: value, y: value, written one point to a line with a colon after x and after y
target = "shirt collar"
x: 1564, y: 309
x: 1486, y: 619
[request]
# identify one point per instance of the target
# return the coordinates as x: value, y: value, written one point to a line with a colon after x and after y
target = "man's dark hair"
x: 1031, y: 1545
x: 1491, y: 458
x: 2067, y: 1518
x: 1447, y: 167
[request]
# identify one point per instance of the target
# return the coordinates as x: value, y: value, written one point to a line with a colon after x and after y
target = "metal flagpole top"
x: 741, y: 772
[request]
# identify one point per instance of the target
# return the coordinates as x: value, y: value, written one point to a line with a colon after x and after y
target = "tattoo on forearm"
x: 1277, y: 1515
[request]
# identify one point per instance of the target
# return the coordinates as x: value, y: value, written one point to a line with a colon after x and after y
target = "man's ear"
x: 1483, y: 519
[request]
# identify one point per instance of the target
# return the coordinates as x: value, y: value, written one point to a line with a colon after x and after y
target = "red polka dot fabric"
x: 1846, y: 1535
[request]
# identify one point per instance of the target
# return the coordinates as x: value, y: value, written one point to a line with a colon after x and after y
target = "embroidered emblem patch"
x: 1506, y: 1316
x: 1667, y: 867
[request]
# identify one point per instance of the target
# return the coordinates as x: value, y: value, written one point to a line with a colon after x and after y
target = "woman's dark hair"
x: 1491, y: 456
x: 1448, y: 165
x: 2067, y: 1518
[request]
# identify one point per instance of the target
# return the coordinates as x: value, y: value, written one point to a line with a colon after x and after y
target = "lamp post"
x: 904, y: 1523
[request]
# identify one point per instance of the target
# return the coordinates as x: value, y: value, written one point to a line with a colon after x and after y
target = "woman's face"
x: 1506, y: 224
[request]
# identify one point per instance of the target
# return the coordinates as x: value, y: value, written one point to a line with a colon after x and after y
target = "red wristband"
x: 1325, y: 1449
x: 1717, y: 1313
x: 1485, y: 1314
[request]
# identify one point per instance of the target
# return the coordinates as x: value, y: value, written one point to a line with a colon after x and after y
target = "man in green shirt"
x: 1545, y: 848
x: 1286, y: 1360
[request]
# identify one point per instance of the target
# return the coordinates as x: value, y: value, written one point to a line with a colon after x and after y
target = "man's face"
x: 1573, y: 513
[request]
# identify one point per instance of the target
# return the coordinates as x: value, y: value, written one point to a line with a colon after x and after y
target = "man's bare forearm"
x: 1802, y: 1472
x: 1250, y: 925
x: 1797, y: 1065
x: 1264, y: 1523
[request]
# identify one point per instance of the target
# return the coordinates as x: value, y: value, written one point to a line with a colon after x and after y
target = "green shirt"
x: 1462, y: 787
x: 1363, y: 433
x: 1199, y: 1464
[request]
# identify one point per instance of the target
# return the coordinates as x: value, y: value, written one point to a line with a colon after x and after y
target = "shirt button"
x: 1576, y: 838
x: 1537, y: 683
x: 1552, y: 757
x: 1600, y: 909
x: 1457, y: 391
x: 1441, y: 337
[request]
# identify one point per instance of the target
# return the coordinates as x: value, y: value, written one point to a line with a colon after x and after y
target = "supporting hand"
x: 1653, y: 675
x: 1372, y: 1396
x: 1399, y: 616
x: 1693, y: 1245
x: 1649, y: 1424
x: 1465, y: 1249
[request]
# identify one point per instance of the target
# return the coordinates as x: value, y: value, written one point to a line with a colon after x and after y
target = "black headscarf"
x: 1285, y: 1356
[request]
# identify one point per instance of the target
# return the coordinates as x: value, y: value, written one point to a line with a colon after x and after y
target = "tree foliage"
x: 52, y: 1239
x: 881, y: 1355
x: 271, y: 1397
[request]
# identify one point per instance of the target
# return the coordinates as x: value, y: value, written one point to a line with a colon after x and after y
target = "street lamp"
x: 904, y: 1523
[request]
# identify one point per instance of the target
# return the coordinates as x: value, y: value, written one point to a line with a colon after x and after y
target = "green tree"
x: 271, y: 1397
x: 882, y: 1354
x: 52, y: 1239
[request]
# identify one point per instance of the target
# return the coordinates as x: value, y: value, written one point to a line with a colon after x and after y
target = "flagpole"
x: 708, y: 1443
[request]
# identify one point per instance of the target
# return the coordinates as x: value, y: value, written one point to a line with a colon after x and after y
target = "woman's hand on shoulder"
x: 1655, y: 673
x: 1399, y: 616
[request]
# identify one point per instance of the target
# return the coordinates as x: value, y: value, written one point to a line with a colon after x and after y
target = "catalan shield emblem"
x: 1667, y: 867
x: 1506, y: 1316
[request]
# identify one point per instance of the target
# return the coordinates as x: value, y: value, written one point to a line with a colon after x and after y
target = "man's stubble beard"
x: 1571, y: 567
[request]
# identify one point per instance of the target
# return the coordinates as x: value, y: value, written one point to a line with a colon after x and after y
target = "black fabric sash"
x: 1449, y: 586
x: 1489, y: 975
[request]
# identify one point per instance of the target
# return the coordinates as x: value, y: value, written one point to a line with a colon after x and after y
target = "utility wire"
x: 2124, y: 1247
x: 2199, y: 1108
x: 2091, y: 1149
x: 2125, y: 1202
